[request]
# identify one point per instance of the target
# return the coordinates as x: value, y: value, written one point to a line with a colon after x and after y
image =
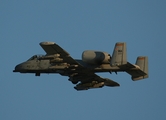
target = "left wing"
x: 52, y: 48
x: 90, y: 80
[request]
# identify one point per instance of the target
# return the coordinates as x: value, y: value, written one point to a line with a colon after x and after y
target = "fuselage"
x: 37, y: 66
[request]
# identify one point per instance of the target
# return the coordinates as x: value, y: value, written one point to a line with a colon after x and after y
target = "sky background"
x: 76, y: 26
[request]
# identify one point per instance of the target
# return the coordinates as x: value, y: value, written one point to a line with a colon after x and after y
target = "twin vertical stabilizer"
x: 119, y: 56
x: 142, y: 62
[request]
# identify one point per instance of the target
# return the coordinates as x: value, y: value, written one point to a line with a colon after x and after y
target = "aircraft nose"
x: 18, y: 68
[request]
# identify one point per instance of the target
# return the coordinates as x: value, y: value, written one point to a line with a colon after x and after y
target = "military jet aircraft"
x: 82, y: 72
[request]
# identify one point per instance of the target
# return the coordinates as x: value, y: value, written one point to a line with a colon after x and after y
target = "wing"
x: 90, y: 80
x: 52, y: 48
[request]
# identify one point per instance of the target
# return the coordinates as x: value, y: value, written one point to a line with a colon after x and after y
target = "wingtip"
x: 111, y: 83
x: 47, y: 43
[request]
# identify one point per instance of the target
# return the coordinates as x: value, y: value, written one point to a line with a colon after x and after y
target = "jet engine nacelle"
x: 95, y: 57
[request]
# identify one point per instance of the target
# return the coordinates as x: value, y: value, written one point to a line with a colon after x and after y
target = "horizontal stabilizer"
x: 141, y: 71
x: 142, y: 62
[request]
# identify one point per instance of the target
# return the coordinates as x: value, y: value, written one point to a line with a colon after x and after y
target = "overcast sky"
x: 76, y: 26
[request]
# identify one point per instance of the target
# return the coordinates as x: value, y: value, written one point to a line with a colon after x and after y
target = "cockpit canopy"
x: 35, y: 57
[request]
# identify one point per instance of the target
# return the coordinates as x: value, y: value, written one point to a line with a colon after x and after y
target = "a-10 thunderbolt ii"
x: 82, y: 72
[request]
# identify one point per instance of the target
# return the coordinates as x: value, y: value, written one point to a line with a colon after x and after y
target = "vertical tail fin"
x: 119, y: 56
x: 142, y: 62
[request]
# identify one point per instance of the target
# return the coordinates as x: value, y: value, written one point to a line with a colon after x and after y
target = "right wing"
x: 52, y: 48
